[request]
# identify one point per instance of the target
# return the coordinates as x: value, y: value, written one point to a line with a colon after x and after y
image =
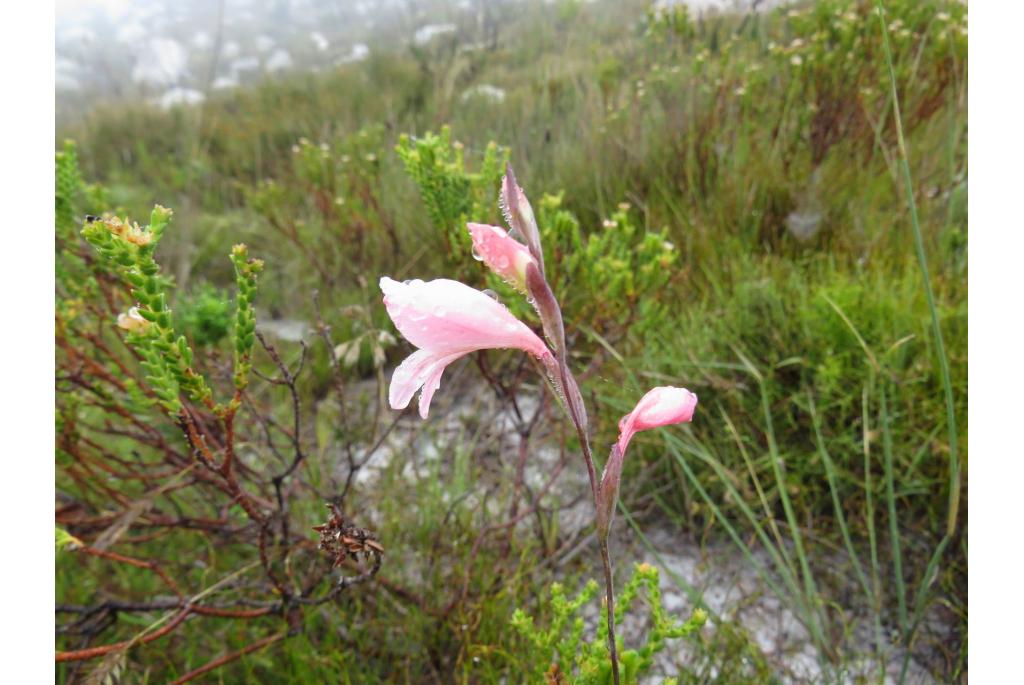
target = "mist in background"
x: 181, y: 52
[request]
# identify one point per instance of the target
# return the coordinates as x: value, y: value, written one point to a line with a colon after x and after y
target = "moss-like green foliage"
x: 247, y: 271
x: 68, y: 188
x: 451, y: 193
x: 126, y: 250
x: 205, y: 316
x: 558, y: 652
x: 610, y: 275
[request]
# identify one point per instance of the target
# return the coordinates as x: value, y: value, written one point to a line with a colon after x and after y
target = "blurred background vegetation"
x: 720, y: 194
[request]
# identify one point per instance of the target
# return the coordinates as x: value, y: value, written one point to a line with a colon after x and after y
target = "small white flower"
x: 129, y: 231
x: 133, y: 321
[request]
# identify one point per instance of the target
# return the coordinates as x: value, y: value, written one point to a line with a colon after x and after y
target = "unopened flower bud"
x: 505, y: 255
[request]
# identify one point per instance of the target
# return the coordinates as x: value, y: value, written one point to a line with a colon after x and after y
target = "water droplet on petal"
x: 476, y: 255
x: 502, y: 262
x: 491, y: 294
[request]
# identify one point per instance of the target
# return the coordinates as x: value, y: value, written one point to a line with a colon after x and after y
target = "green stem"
x: 609, y: 589
x: 588, y: 458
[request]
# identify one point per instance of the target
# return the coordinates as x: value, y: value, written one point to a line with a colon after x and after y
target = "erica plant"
x: 446, y: 320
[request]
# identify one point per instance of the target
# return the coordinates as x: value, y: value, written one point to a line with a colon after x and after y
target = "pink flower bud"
x: 447, y: 320
x: 505, y: 255
x: 661, y: 406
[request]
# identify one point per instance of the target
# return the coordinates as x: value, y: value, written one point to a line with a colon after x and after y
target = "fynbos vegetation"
x: 768, y: 209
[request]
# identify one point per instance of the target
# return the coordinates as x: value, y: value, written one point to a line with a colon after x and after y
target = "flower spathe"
x: 505, y: 255
x: 661, y: 406
x: 446, y: 320
x: 519, y: 215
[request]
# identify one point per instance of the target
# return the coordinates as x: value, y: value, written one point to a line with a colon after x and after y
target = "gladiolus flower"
x: 661, y: 406
x: 505, y: 255
x: 447, y: 320
x: 133, y: 321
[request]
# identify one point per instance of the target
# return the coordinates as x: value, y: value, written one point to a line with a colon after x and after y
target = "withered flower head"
x: 340, y: 539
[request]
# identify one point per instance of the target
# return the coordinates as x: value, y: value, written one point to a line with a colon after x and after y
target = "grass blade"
x: 940, y: 348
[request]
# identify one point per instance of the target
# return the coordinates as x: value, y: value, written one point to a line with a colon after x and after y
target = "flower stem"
x: 609, y: 589
x: 602, y: 536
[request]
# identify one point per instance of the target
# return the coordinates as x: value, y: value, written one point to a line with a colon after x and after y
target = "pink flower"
x: 505, y: 255
x: 446, y: 320
x: 661, y: 406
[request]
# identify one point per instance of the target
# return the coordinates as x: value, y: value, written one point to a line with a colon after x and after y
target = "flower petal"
x: 432, y: 382
x: 447, y: 316
x: 423, y: 369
